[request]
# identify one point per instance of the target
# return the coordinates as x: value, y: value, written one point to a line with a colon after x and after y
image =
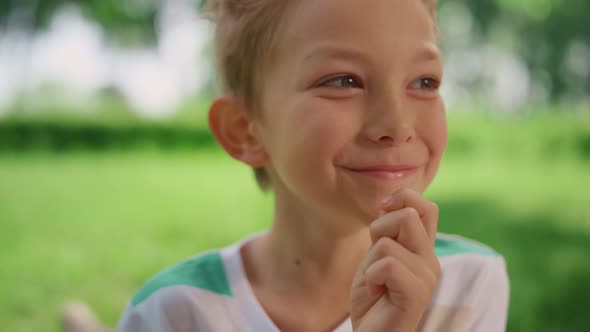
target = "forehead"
x: 382, y: 27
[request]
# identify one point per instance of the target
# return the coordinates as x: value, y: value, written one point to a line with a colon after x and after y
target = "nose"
x: 390, y: 122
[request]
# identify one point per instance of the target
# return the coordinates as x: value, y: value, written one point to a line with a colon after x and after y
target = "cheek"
x: 312, y: 134
x: 435, y: 135
x: 319, y: 129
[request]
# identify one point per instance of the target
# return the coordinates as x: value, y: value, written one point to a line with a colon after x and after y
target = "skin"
x: 359, y: 94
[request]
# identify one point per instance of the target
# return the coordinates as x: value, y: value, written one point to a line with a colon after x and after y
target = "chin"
x: 368, y: 207
x: 367, y: 211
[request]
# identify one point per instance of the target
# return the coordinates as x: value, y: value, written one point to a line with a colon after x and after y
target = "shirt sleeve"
x: 168, y: 311
x: 178, y: 309
x: 146, y: 319
x: 132, y: 321
x: 490, y: 307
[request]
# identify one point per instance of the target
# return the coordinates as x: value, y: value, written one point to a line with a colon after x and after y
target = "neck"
x: 310, y: 254
x: 305, y: 259
x: 310, y: 249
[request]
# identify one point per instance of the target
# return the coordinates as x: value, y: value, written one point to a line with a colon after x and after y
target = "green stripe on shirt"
x: 448, y: 246
x: 205, y: 271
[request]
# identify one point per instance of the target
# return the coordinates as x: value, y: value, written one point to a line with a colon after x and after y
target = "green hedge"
x: 542, y: 137
x: 22, y: 135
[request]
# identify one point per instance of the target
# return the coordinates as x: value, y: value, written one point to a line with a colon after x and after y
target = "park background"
x: 108, y: 172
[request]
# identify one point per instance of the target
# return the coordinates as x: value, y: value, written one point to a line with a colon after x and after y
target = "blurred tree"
x: 129, y: 21
x: 552, y: 36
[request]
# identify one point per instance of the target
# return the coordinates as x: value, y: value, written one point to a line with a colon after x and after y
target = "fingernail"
x: 386, y: 200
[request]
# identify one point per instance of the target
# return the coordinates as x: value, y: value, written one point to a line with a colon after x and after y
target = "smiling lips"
x: 386, y: 172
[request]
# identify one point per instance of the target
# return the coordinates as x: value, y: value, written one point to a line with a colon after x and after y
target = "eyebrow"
x: 429, y: 53
x: 330, y: 51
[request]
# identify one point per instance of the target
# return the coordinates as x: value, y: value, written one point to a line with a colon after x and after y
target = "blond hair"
x: 245, y: 41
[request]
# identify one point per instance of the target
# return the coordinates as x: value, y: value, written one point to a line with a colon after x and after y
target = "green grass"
x: 94, y: 226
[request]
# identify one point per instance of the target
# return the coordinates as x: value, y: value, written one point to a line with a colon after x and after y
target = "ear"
x: 233, y: 130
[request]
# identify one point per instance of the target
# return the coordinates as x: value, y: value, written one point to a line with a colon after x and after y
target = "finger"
x: 427, y: 210
x: 395, y: 277
x: 361, y: 300
x: 386, y: 247
x: 405, y: 227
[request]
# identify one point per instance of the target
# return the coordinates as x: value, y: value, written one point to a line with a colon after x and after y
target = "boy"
x: 336, y: 106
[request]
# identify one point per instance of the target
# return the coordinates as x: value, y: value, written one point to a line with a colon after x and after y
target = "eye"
x: 425, y: 83
x: 342, y: 82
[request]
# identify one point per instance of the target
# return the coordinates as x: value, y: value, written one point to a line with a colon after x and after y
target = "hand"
x: 395, y: 282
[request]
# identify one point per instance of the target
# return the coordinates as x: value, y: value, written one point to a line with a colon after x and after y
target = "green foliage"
x: 544, y: 30
x: 130, y: 21
x: 94, y: 226
x: 105, y: 125
x: 50, y: 135
x: 556, y: 137
x: 548, y: 138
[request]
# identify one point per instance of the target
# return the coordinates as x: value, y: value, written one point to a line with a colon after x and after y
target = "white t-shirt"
x: 210, y: 292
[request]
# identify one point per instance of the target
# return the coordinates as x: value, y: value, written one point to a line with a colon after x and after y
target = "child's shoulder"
x: 192, y: 295
x: 202, y: 272
x: 473, y: 275
x: 468, y: 266
x: 448, y: 245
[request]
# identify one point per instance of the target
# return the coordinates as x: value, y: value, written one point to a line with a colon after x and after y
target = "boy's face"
x: 352, y: 100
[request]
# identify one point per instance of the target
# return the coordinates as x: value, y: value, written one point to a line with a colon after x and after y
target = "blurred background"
x: 108, y: 172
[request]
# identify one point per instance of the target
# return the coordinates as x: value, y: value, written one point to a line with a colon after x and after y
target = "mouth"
x: 386, y: 172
